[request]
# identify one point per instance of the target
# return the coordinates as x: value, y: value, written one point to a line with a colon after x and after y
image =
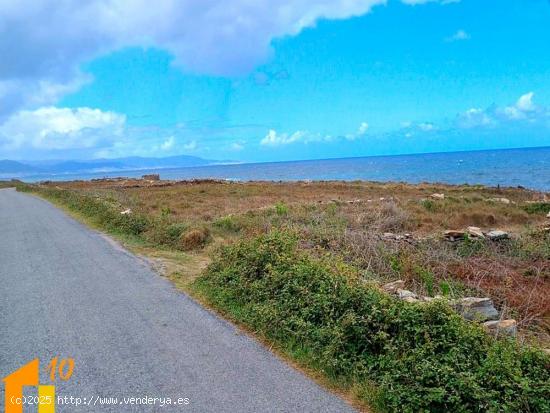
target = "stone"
x: 151, y: 177
x: 475, y: 232
x: 394, y: 286
x: 454, y: 235
x: 501, y: 200
x: 496, y: 235
x: 477, y: 309
x: 406, y: 295
x: 126, y: 212
x: 437, y: 196
x: 506, y: 327
x: 388, y: 235
x: 548, y: 215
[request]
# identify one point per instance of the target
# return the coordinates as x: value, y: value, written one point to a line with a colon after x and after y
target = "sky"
x: 271, y: 80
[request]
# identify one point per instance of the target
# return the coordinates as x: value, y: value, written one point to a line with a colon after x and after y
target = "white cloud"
x: 47, y: 40
x: 459, y: 35
x: 237, y: 146
x: 190, y: 146
x: 363, y: 128
x: 524, y: 110
x: 525, y: 102
x: 426, y: 126
x: 361, y: 131
x: 43, y: 42
x: 277, y: 139
x: 274, y: 139
x: 474, y: 117
x: 168, y: 144
x: 52, y: 128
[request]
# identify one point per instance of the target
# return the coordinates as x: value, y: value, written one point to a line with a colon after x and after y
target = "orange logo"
x: 28, y: 375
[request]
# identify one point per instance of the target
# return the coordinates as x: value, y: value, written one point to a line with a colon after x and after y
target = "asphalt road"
x: 67, y: 291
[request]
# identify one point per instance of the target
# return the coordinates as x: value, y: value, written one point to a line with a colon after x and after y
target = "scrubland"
x: 300, y: 265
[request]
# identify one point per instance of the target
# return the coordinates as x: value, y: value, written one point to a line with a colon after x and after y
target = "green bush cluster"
x: 158, y: 231
x: 404, y: 357
x: 537, y: 208
x: 100, y: 212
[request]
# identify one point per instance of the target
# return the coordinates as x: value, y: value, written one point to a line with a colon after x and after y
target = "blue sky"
x: 373, y: 78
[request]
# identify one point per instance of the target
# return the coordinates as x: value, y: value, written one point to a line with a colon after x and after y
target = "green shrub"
x: 537, y: 208
x: 281, y: 208
x: 429, y: 205
x: 164, y: 232
x: 406, y: 357
x: 228, y: 224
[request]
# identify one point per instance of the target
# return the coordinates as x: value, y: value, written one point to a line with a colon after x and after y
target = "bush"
x: 164, y: 232
x: 228, y: 224
x: 194, y: 239
x: 281, y: 208
x: 537, y: 208
x: 420, y: 357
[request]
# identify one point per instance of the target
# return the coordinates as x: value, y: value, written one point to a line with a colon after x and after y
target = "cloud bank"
x: 44, y: 42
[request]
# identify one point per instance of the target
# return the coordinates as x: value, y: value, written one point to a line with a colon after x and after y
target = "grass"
x: 336, y: 230
x: 398, y: 356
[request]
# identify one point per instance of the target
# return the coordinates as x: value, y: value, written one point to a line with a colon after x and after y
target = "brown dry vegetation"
x: 348, y: 219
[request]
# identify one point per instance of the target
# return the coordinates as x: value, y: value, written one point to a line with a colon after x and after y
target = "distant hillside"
x: 8, y: 167
x: 22, y: 168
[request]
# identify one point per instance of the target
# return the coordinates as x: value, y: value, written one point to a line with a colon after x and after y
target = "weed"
x: 281, y: 208
x: 228, y: 224
x: 415, y: 357
x: 537, y: 208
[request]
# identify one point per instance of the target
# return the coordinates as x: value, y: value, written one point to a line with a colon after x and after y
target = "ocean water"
x: 529, y: 168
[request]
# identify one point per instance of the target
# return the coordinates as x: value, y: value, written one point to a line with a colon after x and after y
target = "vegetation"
x: 299, y: 263
x: 400, y: 356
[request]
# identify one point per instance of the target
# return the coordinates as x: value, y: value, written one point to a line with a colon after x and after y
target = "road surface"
x: 67, y: 291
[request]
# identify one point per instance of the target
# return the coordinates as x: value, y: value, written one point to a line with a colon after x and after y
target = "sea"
x: 529, y: 168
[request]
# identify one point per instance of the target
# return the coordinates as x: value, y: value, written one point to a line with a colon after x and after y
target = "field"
x: 208, y: 235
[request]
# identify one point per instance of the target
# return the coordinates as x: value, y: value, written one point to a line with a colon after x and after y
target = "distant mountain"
x: 18, y: 169
x: 9, y: 167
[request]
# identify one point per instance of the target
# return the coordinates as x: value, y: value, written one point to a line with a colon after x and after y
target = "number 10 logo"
x: 28, y: 375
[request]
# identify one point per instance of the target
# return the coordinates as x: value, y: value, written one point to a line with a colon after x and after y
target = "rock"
x: 388, y: 235
x: 496, y: 235
x: 475, y: 232
x: 548, y: 215
x: 394, y: 286
x: 454, y: 235
x: 126, y: 212
x: 478, y: 309
x: 407, y: 295
x: 437, y: 196
x: 151, y: 177
x: 507, y: 327
x: 501, y: 200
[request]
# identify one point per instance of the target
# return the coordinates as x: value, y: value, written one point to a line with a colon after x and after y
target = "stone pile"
x: 475, y: 309
x: 476, y: 233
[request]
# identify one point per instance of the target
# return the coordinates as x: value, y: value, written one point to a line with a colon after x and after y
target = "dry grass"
x: 348, y: 220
